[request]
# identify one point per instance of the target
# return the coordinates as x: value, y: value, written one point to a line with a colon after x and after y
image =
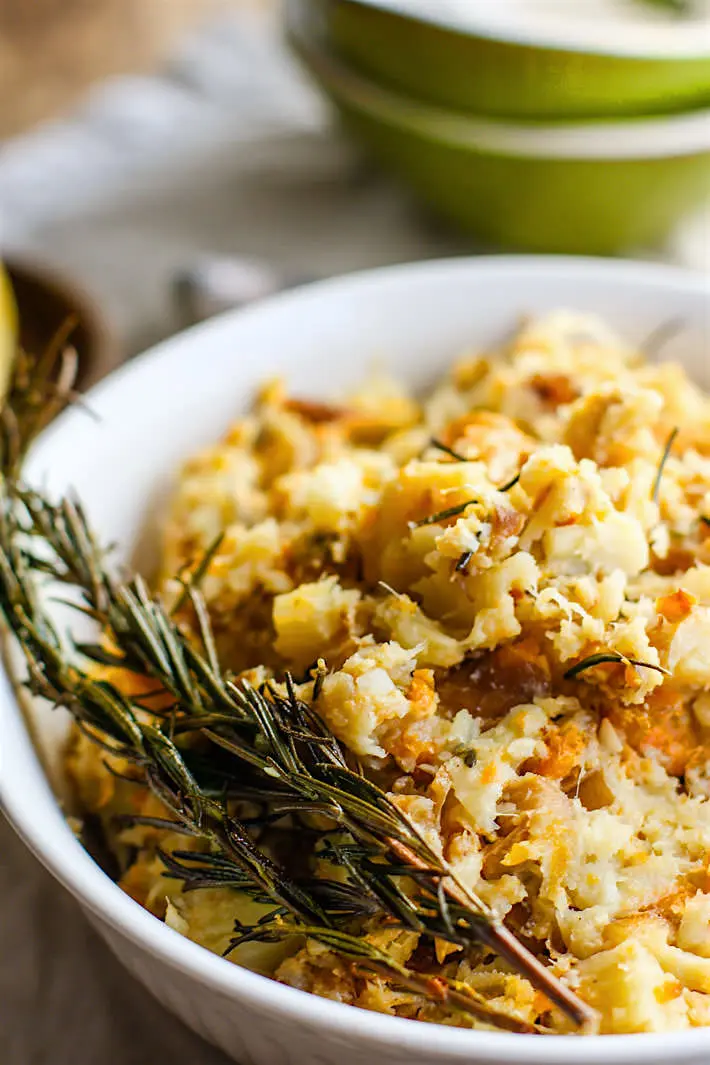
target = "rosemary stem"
x: 435, y: 988
x: 503, y: 942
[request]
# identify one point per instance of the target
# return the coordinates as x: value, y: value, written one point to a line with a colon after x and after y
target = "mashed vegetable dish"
x: 508, y: 587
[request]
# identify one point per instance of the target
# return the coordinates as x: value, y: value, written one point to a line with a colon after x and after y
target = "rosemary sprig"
x: 662, y: 465
x: 604, y: 657
x: 108, y: 717
x: 275, y: 743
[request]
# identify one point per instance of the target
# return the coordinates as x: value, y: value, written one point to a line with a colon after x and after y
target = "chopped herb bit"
x: 443, y: 515
x: 704, y: 520
x: 589, y: 663
x: 464, y: 561
x: 448, y: 450
x: 664, y: 459
x: 510, y: 484
x: 610, y: 656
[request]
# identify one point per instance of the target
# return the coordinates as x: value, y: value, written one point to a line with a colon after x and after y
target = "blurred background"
x: 52, y: 51
x: 145, y: 142
x: 163, y: 159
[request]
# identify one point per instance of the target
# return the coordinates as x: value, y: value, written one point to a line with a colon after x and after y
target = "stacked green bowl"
x: 535, y: 142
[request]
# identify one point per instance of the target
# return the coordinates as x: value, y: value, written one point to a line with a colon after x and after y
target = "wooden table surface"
x: 51, y: 51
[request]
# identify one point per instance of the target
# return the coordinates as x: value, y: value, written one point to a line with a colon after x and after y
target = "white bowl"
x: 156, y: 411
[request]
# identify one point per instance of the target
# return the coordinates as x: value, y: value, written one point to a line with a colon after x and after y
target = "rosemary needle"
x: 195, y: 578
x: 662, y: 465
x: 443, y: 515
x: 448, y: 450
x: 605, y: 657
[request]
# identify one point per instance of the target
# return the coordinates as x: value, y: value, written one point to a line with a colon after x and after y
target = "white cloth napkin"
x: 229, y: 151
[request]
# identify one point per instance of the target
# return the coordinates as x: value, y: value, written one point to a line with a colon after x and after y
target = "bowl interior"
x: 158, y: 410
x: 594, y: 28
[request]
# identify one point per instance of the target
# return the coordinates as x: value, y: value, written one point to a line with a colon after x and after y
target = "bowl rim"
x: 664, y: 43
x: 643, y: 137
x: 25, y: 791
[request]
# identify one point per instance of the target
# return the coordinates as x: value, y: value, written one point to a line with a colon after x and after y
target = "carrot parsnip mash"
x: 509, y: 584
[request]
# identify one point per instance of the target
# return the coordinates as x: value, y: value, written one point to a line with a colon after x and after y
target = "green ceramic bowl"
x: 510, y: 70
x: 599, y: 188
